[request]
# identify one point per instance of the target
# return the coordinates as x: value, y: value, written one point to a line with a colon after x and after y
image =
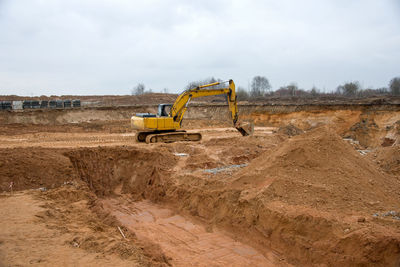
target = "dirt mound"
x: 33, y: 168
x: 116, y: 170
x: 290, y: 130
x: 320, y: 170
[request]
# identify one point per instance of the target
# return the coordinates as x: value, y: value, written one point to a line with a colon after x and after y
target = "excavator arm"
x: 181, y: 103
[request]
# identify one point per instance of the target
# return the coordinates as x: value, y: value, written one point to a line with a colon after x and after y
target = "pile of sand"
x: 320, y: 170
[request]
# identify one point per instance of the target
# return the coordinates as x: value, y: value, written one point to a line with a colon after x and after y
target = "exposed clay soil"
x: 295, y: 193
x: 33, y: 168
x: 318, y: 169
x: 388, y: 159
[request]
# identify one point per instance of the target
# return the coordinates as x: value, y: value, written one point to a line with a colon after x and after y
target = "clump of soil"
x: 33, y: 168
x: 388, y: 158
x: 289, y: 130
x: 393, y: 135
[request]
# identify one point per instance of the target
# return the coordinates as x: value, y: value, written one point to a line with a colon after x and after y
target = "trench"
x: 133, y: 186
x: 185, y: 241
x: 202, y: 221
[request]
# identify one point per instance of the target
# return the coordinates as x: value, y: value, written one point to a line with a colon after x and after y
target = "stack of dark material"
x: 27, y: 104
x: 67, y: 103
x: 5, y: 105
x: 35, y: 104
x: 59, y: 104
x: 44, y: 104
x: 76, y: 103
x: 52, y: 104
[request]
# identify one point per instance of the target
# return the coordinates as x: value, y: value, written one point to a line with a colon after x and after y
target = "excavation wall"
x: 263, y: 114
x: 251, y: 212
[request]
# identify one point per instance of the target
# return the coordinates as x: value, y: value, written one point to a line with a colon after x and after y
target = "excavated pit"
x: 300, y: 196
x: 132, y: 185
x: 318, y: 222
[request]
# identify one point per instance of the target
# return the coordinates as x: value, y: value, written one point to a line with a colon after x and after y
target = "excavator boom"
x: 182, y: 102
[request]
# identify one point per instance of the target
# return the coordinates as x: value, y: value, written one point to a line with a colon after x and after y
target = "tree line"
x: 260, y: 88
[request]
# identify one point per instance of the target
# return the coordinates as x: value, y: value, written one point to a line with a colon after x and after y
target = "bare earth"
x: 308, y: 189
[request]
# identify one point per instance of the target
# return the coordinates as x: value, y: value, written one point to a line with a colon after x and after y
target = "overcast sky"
x: 106, y: 47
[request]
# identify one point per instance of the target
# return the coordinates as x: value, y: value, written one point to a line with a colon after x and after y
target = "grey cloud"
x: 103, y: 47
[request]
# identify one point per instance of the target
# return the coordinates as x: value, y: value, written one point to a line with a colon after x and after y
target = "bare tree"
x: 293, y: 88
x: 314, y: 91
x: 349, y: 89
x: 242, y: 93
x: 259, y: 86
x: 138, y: 89
x: 194, y: 84
x: 290, y: 90
x: 395, y: 86
x: 368, y: 92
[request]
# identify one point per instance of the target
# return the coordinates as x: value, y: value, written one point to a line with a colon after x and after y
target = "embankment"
x: 262, y: 114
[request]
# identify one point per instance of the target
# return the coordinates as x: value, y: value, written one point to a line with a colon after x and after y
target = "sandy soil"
x: 26, y: 240
x: 295, y: 193
x: 94, y: 139
x: 186, y: 241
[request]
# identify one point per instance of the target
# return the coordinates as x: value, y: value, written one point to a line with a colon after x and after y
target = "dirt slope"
x: 116, y: 170
x: 320, y: 170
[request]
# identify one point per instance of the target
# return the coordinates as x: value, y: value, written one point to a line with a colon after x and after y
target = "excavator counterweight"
x: 165, y: 125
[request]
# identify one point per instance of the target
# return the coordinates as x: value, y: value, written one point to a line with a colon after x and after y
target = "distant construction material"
x: 36, y: 104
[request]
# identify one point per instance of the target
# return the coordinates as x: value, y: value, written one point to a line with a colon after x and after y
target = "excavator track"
x: 172, y: 137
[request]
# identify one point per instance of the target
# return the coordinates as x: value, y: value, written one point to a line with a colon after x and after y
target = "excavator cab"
x: 164, y: 110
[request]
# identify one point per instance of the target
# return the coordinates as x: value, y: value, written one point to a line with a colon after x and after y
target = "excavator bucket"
x: 245, y: 128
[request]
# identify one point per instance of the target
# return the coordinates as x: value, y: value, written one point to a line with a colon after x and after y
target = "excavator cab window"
x: 164, y: 110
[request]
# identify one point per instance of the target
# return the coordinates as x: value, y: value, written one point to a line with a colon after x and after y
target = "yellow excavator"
x: 165, y: 125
